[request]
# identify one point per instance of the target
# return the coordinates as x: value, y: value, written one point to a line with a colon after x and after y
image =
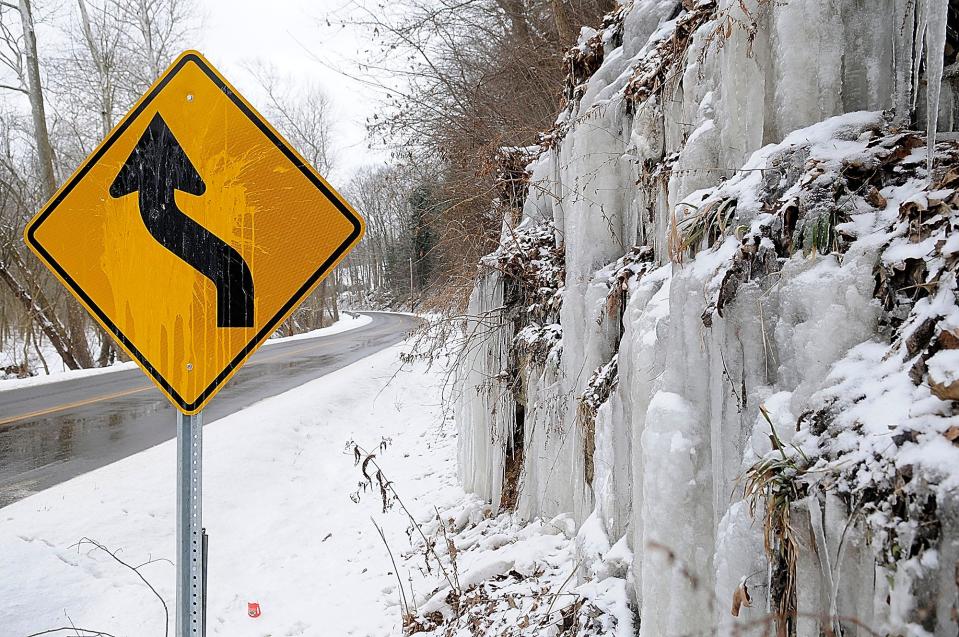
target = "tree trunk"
x: 39, y: 308
x: 40, y: 132
x: 321, y: 298
x: 103, y: 73
x: 77, y: 330
x: 36, y: 346
x: 146, y: 29
x: 107, y: 354
x: 516, y: 13
x: 108, y: 351
x: 563, y: 27
x: 49, y: 328
x: 334, y: 307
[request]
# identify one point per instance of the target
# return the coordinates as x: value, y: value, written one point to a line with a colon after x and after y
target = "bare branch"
x: 135, y: 569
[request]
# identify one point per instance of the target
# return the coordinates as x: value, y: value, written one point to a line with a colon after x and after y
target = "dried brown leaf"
x: 741, y: 599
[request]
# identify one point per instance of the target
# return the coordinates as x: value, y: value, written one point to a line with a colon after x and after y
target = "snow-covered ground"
x: 293, y: 528
x: 284, y: 531
x: 59, y: 372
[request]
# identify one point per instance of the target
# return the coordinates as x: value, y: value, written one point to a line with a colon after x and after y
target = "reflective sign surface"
x: 193, y: 231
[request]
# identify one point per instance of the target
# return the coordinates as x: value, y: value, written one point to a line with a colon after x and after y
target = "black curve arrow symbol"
x: 156, y: 168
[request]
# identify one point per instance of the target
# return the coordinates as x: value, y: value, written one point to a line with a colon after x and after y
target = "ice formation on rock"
x: 736, y: 352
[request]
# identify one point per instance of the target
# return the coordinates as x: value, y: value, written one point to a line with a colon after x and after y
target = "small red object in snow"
x: 253, y: 609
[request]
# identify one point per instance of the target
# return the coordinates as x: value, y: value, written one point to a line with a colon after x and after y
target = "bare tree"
x: 31, y: 69
x: 375, y: 272
x: 392, y: 265
x: 102, y: 46
x: 302, y: 113
x: 471, y: 77
x: 20, y: 56
x: 161, y: 26
x: 116, y: 49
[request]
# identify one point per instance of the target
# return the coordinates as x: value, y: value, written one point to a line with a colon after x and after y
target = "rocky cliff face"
x: 725, y: 330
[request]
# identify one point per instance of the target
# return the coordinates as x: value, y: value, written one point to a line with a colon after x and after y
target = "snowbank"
x: 346, y: 323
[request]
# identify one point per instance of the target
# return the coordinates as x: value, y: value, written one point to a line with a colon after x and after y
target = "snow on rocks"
x: 516, y: 578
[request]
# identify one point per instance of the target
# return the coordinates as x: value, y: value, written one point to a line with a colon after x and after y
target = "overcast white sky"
x: 293, y: 36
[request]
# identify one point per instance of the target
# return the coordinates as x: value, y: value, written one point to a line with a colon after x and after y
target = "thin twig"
x: 90, y: 633
x: 388, y: 484
x: 135, y: 569
x: 405, y: 606
x: 549, y: 609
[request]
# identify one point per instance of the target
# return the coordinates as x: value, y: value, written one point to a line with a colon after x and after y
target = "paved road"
x: 52, y: 432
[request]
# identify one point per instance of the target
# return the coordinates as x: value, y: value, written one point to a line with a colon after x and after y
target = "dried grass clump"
x: 738, y: 16
x: 536, y: 344
x: 708, y: 223
x: 508, y: 167
x: 812, y: 218
x: 629, y: 268
x: 661, y: 69
x: 535, y: 268
x: 599, y: 388
x: 773, y: 484
x: 580, y: 64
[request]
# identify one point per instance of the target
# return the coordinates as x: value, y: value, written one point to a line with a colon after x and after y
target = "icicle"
x: 936, y: 14
x: 904, y: 38
x: 825, y: 564
x: 919, y: 42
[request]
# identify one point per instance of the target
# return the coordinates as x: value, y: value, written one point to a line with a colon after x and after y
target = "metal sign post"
x: 190, y: 571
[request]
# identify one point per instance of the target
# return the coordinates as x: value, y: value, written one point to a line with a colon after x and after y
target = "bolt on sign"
x: 193, y: 231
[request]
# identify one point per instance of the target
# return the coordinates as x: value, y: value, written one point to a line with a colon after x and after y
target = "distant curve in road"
x: 55, y: 431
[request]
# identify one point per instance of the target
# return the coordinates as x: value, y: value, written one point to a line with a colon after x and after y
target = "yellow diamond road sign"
x: 193, y: 231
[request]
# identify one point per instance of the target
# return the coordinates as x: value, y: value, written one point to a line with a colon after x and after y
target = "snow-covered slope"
x: 726, y: 329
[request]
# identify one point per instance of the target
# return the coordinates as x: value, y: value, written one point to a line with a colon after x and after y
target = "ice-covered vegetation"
x: 723, y: 334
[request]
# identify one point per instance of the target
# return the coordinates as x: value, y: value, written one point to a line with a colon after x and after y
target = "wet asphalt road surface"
x: 52, y: 432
